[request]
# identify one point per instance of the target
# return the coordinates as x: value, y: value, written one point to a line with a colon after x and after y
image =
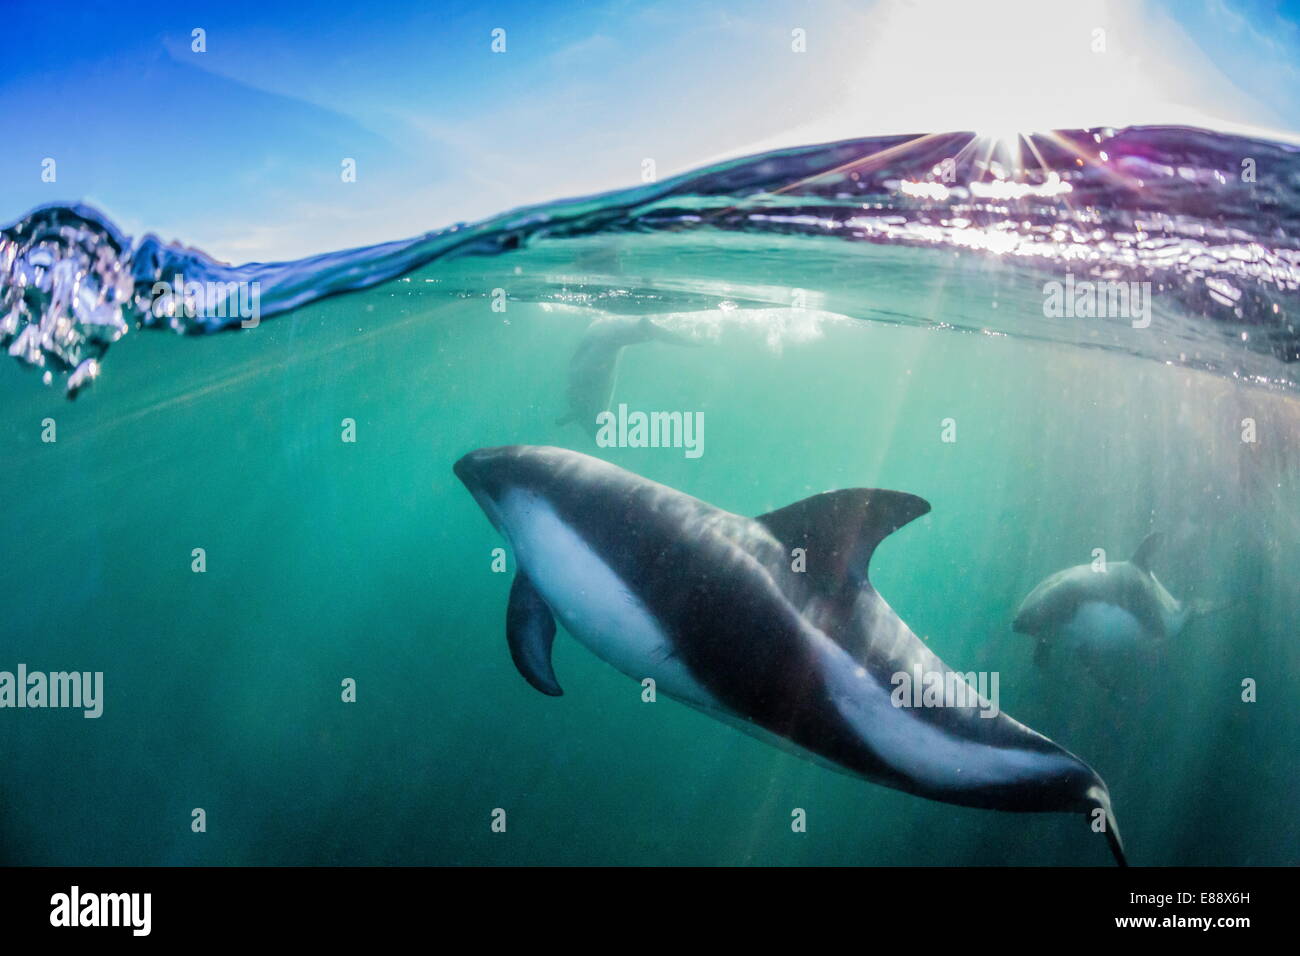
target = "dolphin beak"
x: 1025, y: 621
x: 466, y: 469
x: 477, y: 474
x: 485, y: 468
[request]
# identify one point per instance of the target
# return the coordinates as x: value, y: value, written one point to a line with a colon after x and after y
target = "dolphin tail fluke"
x: 654, y: 332
x: 1194, y: 608
x: 1112, y: 837
x: 1100, y: 798
x: 1200, y: 607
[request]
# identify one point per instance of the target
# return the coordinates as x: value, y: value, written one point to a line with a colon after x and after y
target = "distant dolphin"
x: 708, y: 605
x: 1121, y: 613
x: 594, y: 365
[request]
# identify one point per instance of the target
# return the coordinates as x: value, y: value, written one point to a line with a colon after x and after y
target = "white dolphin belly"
x: 592, y: 602
x: 917, y: 748
x: 1101, y: 626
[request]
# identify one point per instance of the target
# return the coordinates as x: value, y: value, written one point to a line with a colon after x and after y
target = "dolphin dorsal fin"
x: 1147, y: 550
x: 840, y: 530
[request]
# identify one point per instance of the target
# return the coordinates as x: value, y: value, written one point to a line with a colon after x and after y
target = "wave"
x: 1209, y: 220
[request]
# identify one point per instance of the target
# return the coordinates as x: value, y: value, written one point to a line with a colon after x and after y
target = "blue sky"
x: 238, y: 149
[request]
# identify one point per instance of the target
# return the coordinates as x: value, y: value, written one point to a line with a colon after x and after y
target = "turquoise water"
x: 328, y: 559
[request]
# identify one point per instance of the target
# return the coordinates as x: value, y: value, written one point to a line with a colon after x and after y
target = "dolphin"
x: 594, y: 365
x: 1120, y: 614
x: 711, y: 606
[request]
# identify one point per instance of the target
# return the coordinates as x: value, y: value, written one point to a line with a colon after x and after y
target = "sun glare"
x: 1002, y: 69
x: 1001, y: 145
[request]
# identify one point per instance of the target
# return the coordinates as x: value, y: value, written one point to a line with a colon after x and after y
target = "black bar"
x: 654, y: 905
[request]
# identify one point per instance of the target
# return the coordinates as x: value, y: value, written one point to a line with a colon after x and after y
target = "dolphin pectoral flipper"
x: 840, y: 530
x: 1041, y: 653
x: 1146, y: 550
x: 530, y: 632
